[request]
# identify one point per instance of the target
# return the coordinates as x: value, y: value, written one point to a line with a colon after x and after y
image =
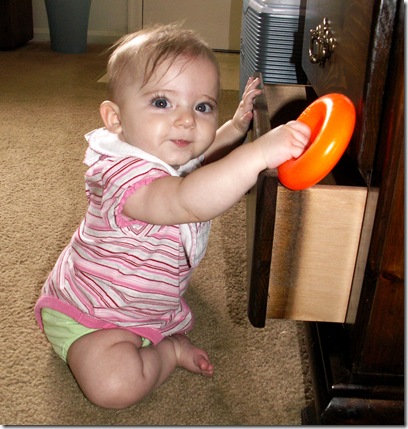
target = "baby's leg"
x: 114, y: 371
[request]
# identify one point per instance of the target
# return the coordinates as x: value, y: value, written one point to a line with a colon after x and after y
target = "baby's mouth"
x: 181, y: 143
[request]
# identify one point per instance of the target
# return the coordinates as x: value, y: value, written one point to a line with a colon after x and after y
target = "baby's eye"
x: 204, y: 107
x: 160, y: 103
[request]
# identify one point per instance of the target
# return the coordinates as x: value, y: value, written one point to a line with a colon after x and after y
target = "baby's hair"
x: 150, y: 47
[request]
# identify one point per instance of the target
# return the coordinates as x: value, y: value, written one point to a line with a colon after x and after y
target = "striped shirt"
x: 121, y: 272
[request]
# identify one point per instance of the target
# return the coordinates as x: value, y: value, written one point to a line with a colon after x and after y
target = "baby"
x: 159, y: 171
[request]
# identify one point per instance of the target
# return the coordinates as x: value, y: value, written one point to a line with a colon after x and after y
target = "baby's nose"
x: 186, y: 119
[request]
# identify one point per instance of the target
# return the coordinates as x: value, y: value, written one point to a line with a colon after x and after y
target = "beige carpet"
x: 48, y: 101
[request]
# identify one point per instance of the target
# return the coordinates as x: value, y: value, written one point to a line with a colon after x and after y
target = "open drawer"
x: 305, y: 253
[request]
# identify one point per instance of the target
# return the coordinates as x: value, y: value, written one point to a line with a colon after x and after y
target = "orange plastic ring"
x: 331, y: 119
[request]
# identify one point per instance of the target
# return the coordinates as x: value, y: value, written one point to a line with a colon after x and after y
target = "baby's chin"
x: 179, y: 161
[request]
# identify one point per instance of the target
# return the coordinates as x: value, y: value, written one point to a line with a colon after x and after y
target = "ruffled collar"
x: 102, y: 142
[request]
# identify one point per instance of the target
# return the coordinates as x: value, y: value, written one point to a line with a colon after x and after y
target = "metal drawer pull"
x: 322, y: 43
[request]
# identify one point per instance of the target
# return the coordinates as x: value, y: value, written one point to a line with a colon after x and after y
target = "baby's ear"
x: 111, y: 116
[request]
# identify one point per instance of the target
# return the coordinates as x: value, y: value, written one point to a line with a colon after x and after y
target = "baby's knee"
x: 114, y: 393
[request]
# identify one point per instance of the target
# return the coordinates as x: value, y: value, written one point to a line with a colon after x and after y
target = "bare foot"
x: 191, y: 357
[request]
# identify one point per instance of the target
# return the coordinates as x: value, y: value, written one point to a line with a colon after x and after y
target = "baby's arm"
x: 212, y: 189
x: 232, y: 133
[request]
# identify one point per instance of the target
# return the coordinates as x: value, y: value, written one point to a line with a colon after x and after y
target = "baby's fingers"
x: 301, y: 127
x: 252, y: 83
x: 297, y: 150
x: 248, y: 99
x: 251, y: 89
x: 301, y: 133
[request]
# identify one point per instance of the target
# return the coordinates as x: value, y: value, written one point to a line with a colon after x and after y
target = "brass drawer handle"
x: 322, y: 43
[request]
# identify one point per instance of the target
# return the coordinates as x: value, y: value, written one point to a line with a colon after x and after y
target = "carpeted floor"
x: 48, y: 101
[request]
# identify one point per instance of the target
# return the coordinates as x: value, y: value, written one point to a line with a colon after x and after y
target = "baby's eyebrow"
x: 211, y: 99
x: 161, y: 91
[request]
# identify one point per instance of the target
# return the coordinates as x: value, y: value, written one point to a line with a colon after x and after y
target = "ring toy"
x: 331, y: 119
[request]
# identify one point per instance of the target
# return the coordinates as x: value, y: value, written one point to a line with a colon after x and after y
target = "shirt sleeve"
x: 117, y: 181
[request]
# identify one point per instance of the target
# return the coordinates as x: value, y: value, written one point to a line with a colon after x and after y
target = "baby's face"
x: 175, y: 115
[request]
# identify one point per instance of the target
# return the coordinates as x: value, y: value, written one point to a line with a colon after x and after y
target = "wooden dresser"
x: 333, y: 255
x: 16, y: 23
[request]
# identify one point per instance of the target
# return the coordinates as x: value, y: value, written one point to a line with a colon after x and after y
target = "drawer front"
x: 349, y: 67
x: 349, y: 24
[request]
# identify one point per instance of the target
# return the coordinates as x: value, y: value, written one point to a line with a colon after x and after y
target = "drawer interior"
x: 314, y: 252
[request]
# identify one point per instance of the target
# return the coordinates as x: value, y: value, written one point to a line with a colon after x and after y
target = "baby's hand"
x: 284, y: 142
x: 243, y: 115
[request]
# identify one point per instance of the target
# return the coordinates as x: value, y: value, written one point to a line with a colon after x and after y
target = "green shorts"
x: 61, y: 331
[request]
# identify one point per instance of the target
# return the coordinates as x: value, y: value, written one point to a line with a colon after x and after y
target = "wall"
x: 218, y: 21
x: 110, y: 19
x: 106, y: 23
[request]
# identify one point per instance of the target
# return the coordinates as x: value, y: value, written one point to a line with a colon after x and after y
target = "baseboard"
x: 94, y: 36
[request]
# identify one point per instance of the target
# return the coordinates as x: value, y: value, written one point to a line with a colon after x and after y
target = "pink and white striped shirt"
x: 120, y: 272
